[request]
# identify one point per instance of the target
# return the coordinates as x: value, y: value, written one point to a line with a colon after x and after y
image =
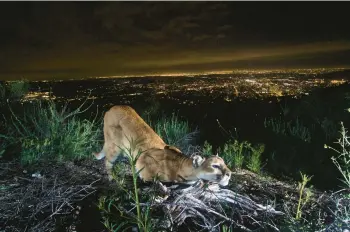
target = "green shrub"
x: 45, y: 133
x: 234, y: 152
x: 207, y: 149
x: 254, y: 160
x: 175, y: 132
x: 18, y: 89
x: 292, y: 128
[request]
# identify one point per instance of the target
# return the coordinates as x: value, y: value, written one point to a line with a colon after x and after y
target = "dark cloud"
x: 111, y: 38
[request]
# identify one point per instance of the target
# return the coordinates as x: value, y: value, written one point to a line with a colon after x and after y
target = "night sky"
x: 47, y: 40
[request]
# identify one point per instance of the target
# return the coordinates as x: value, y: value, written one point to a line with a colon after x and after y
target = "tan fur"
x: 123, y: 125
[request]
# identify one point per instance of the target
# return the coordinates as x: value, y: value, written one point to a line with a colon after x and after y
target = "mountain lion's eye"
x: 215, y: 166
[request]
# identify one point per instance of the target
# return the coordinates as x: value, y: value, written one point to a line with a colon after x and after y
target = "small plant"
x: 233, y: 153
x: 207, y: 149
x: 175, y: 132
x: 294, y: 221
x: 120, y: 201
x: 254, y: 161
x: 342, y: 162
x: 303, y: 198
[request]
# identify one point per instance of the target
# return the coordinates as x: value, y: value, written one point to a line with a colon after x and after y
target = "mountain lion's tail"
x: 99, y: 155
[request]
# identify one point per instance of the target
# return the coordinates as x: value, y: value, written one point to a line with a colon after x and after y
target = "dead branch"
x: 207, y: 205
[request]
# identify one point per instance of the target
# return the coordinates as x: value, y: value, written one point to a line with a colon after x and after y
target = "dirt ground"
x: 63, y: 197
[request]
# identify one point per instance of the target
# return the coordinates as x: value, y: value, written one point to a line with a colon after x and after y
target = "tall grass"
x: 292, y: 128
x: 329, y: 127
x: 47, y: 133
x: 175, y: 132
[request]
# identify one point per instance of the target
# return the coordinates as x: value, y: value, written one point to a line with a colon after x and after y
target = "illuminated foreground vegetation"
x: 48, y: 137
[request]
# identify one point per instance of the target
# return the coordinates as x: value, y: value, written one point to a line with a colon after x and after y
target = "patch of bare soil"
x: 46, y: 197
x: 285, y: 194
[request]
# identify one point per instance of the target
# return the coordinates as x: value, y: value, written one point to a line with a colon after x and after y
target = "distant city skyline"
x: 64, y: 40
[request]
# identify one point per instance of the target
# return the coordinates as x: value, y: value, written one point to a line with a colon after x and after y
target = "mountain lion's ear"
x: 197, y: 161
